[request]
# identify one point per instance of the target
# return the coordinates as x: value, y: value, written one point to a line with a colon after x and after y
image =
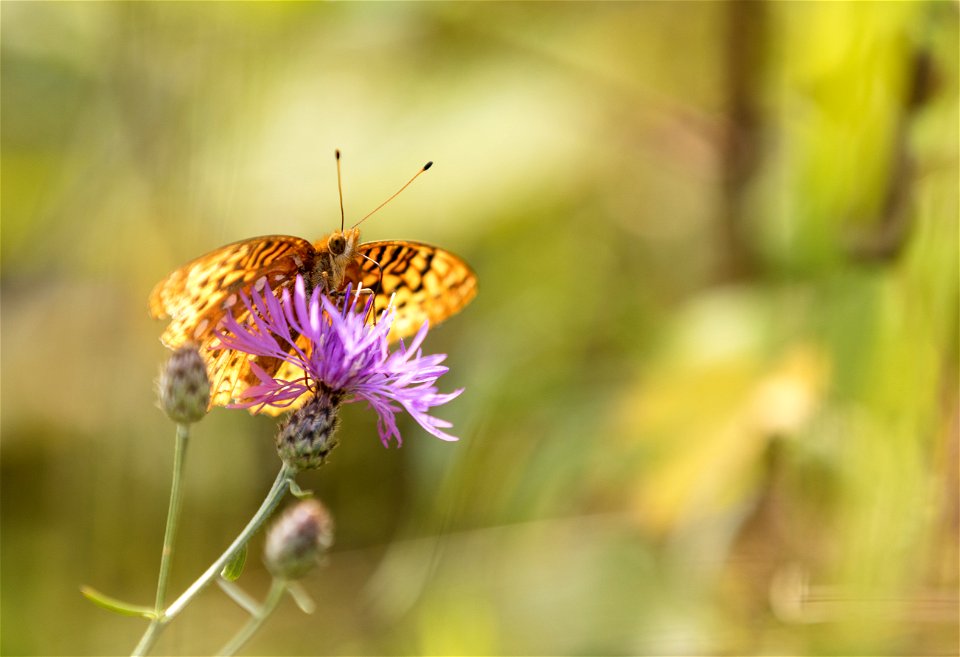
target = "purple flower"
x: 346, y: 357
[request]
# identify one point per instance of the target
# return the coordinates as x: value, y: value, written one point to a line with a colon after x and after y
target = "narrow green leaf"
x: 116, y: 606
x: 299, y: 492
x: 232, y: 571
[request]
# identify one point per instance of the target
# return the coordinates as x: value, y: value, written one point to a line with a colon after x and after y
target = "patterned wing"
x: 231, y: 373
x: 197, y: 295
x: 430, y: 284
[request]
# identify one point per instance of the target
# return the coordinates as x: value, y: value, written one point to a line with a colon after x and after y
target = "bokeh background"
x: 712, y: 393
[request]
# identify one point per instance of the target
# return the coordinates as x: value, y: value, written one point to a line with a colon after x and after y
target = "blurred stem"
x: 277, y: 491
x: 301, y: 597
x: 239, y: 596
x: 745, y: 53
x: 277, y: 589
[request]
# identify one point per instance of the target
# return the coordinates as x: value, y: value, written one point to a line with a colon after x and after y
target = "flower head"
x: 309, y: 434
x: 345, y: 357
x: 184, y: 386
x: 297, y: 540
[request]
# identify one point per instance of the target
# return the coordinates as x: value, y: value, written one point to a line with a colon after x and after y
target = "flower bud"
x: 309, y: 435
x: 297, y: 541
x: 185, y: 386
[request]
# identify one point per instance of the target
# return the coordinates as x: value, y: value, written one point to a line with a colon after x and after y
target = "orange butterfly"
x: 429, y: 284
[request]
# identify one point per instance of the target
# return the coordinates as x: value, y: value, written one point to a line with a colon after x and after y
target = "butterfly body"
x: 427, y: 284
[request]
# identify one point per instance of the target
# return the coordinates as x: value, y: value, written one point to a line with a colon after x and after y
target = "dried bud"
x: 185, y: 386
x: 297, y: 541
x: 309, y: 435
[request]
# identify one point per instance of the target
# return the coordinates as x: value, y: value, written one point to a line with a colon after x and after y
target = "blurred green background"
x: 712, y: 392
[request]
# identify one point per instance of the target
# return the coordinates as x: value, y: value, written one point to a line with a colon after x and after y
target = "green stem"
x: 277, y: 589
x: 277, y: 491
x: 173, y: 515
x: 270, y: 503
x: 169, y: 534
x: 149, y: 637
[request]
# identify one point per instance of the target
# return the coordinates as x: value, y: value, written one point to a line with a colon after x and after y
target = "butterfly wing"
x: 430, y: 284
x: 197, y: 295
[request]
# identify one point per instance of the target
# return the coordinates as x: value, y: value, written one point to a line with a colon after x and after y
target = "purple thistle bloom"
x: 347, y: 358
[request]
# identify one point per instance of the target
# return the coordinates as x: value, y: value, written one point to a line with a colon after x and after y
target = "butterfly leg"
x: 339, y: 297
x: 371, y: 310
x: 377, y: 287
x: 361, y: 292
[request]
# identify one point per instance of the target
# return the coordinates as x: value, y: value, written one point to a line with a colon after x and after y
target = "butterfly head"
x: 336, y: 253
x: 343, y: 243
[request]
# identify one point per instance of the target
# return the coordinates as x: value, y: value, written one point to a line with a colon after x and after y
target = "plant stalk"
x: 173, y: 515
x: 270, y: 502
x: 170, y: 533
x: 277, y: 589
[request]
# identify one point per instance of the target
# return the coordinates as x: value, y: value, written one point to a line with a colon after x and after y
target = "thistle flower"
x: 297, y: 540
x: 307, y: 437
x: 184, y: 386
x: 347, y: 359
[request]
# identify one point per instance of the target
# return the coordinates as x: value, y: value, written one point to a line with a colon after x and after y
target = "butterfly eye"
x: 337, y: 244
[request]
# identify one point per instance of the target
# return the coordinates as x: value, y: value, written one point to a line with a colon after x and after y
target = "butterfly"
x: 426, y: 283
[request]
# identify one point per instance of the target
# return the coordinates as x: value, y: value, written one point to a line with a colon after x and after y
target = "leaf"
x: 234, y: 568
x: 116, y: 606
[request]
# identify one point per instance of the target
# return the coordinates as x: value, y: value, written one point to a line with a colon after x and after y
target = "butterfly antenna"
x: 397, y: 193
x: 339, y: 188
